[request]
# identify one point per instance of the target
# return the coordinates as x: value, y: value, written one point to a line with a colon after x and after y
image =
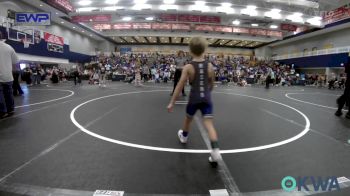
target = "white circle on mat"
x: 154, y: 148
x: 48, y: 101
x: 310, y: 103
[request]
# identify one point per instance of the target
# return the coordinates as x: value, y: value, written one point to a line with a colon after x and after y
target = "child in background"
x: 137, y: 73
x: 157, y: 77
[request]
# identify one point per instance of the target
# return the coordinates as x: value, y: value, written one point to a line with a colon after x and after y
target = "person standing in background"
x: 27, y: 76
x: 137, y: 71
x: 8, y: 60
x: 180, y: 62
x: 76, y: 75
x: 345, y: 98
x: 17, y: 90
x: 102, y: 75
x: 145, y: 72
x: 37, y: 71
x: 268, y: 78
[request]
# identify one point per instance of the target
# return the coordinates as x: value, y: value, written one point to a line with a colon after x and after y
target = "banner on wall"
x: 141, y: 26
x: 204, y: 28
x: 50, y: 38
x: 63, y: 5
x: 162, y: 26
x: 210, y: 19
x: 168, y: 17
x: 337, y: 14
x: 122, y: 26
x: 92, y: 18
x: 198, y: 27
x: 102, y: 26
x: 288, y: 27
x: 274, y: 34
x: 180, y: 27
x: 262, y: 32
x: 190, y: 18
x: 223, y: 29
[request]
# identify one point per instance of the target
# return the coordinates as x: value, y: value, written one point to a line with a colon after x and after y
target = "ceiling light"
x: 315, y: 21
x: 141, y: 6
x: 62, y: 22
x: 86, y: 9
x: 275, y: 10
x: 149, y: 18
x: 112, y: 8
x: 250, y: 10
x: 273, y: 26
x: 251, y: 7
x: 200, y: 3
x: 83, y: 31
x: 41, y: 5
x: 199, y: 6
x: 73, y: 27
x: 111, y: 1
x: 127, y: 18
x: 225, y: 8
x: 236, y: 22
x: 168, y: 1
x: 274, y: 14
x: 226, y: 4
x: 296, y: 17
x: 298, y: 14
x: 255, y: 25
x: 84, y: 2
x: 56, y: 13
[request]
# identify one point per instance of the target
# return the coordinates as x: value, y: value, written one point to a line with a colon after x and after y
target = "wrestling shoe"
x: 182, y: 138
x: 338, y: 113
x: 215, y: 156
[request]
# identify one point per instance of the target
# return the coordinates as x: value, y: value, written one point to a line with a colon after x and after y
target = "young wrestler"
x: 200, y: 73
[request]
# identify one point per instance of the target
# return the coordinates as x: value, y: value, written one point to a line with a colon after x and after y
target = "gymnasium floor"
x: 67, y: 140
